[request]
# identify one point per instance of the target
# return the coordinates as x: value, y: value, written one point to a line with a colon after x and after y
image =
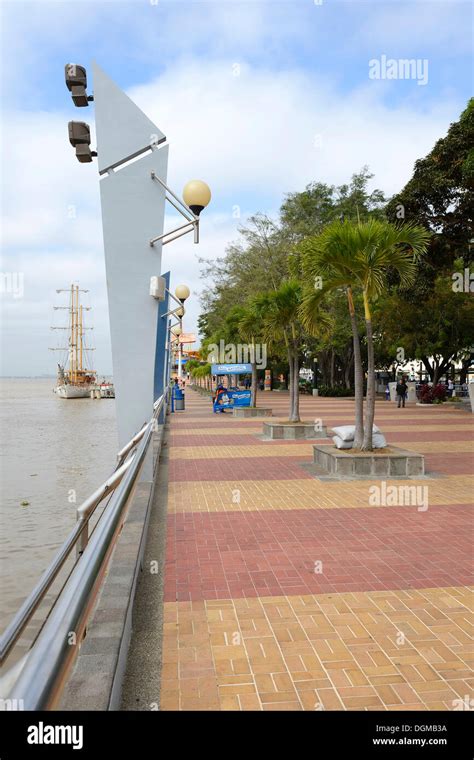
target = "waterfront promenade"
x: 285, y: 592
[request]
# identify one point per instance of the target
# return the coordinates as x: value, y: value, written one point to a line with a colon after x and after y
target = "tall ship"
x: 75, y: 379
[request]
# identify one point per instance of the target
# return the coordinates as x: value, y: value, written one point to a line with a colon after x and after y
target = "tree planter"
x: 291, y: 431
x: 391, y: 462
x: 471, y: 396
x: 247, y: 411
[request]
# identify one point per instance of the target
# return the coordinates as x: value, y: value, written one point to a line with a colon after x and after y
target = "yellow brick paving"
x: 256, y: 428
x: 272, y: 449
x: 348, y: 651
x: 249, y: 495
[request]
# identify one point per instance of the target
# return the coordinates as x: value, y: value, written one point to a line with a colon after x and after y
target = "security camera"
x: 80, y: 139
x: 76, y: 82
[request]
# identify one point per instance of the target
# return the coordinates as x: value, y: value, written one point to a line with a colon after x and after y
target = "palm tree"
x: 249, y: 326
x: 349, y: 256
x: 382, y: 247
x: 327, y: 263
x: 241, y: 325
x: 191, y: 364
x: 280, y: 314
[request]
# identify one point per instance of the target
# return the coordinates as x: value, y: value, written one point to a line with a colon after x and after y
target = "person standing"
x: 401, y: 390
x: 450, y: 388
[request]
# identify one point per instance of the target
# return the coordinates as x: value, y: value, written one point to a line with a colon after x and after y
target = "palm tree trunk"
x: 296, y: 390
x: 370, y: 401
x: 358, y: 376
x: 290, y: 385
x: 293, y: 397
x: 253, y: 400
x: 333, y: 362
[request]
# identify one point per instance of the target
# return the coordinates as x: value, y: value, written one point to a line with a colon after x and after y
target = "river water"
x: 53, y: 454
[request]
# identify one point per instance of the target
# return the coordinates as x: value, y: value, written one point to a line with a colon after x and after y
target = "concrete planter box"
x: 411, y: 395
x: 292, y: 431
x: 396, y: 463
x: 471, y: 396
x: 247, y: 411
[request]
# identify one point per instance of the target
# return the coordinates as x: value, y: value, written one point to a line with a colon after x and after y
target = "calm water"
x: 48, y: 447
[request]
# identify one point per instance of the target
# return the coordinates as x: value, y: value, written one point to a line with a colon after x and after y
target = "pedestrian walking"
x: 401, y: 390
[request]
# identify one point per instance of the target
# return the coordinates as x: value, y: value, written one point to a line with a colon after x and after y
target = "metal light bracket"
x: 173, y: 311
x: 192, y: 221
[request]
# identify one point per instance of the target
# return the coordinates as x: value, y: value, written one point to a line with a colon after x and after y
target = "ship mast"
x: 81, y: 336
x: 71, y: 335
x: 76, y: 330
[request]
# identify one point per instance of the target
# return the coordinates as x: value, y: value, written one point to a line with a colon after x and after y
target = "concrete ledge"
x: 96, y: 679
x: 292, y: 431
x: 394, y: 463
x: 248, y: 411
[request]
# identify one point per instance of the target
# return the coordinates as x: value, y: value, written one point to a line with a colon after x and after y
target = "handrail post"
x: 84, y: 537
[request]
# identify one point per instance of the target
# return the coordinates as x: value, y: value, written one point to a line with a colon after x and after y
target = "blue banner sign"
x: 228, y: 399
x: 230, y: 369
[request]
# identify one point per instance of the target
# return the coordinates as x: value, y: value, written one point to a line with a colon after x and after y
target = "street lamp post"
x: 315, y: 376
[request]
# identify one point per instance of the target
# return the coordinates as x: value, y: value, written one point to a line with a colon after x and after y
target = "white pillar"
x: 179, y: 360
x: 133, y: 207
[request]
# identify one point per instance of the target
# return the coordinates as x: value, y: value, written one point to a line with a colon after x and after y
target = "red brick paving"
x: 236, y: 554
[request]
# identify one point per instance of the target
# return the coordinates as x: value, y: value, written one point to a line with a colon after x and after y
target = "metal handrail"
x: 76, y: 538
x: 79, y: 535
x: 129, y: 446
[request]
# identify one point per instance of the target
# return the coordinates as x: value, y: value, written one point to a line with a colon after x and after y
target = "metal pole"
x: 171, y: 232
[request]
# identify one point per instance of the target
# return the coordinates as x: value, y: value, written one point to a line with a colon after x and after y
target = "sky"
x: 256, y: 98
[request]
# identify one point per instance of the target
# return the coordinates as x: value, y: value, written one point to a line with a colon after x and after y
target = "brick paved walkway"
x: 283, y: 592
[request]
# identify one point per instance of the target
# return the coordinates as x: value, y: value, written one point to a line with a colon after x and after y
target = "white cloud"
x: 252, y: 137
x: 256, y: 133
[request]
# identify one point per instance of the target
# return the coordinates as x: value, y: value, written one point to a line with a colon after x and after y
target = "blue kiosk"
x: 228, y: 398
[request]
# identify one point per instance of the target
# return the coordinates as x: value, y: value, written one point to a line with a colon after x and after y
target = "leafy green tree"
x: 439, y: 197
x: 256, y: 262
x: 306, y: 213
x: 437, y: 331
